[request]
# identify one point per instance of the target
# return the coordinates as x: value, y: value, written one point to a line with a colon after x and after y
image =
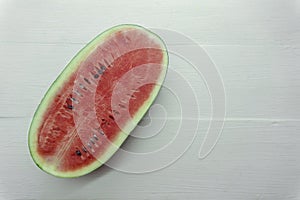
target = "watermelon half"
x: 97, y: 100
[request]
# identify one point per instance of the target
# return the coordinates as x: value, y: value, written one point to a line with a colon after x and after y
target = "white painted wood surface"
x: 256, y: 46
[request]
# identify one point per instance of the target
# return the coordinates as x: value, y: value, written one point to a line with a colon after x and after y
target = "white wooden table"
x: 256, y: 47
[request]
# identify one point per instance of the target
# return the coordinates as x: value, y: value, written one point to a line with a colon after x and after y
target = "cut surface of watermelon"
x: 97, y: 100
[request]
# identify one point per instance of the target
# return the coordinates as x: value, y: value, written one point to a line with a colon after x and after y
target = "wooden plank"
x: 209, y: 22
x: 255, y: 45
x: 252, y: 159
x: 260, y: 81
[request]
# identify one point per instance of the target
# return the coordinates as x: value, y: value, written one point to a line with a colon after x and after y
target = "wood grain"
x: 255, y: 46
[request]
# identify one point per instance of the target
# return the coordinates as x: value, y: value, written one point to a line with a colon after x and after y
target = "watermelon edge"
x: 63, y: 76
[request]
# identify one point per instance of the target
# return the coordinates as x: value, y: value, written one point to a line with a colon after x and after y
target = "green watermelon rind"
x: 63, y: 76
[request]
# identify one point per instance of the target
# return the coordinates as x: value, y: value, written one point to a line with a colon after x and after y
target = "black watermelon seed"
x: 87, y: 80
x: 70, y: 107
x: 92, y: 141
x: 100, y: 131
x: 96, y: 138
x: 82, y: 86
x: 116, y: 112
x: 96, y: 76
x: 74, y: 100
x: 78, y: 153
x: 103, y: 67
x: 122, y: 106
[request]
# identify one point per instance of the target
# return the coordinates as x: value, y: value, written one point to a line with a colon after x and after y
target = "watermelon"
x: 97, y: 100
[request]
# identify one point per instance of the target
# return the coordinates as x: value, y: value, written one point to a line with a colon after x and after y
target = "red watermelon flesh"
x: 97, y: 100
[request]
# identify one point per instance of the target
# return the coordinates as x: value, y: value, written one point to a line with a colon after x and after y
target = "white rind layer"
x: 65, y: 74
